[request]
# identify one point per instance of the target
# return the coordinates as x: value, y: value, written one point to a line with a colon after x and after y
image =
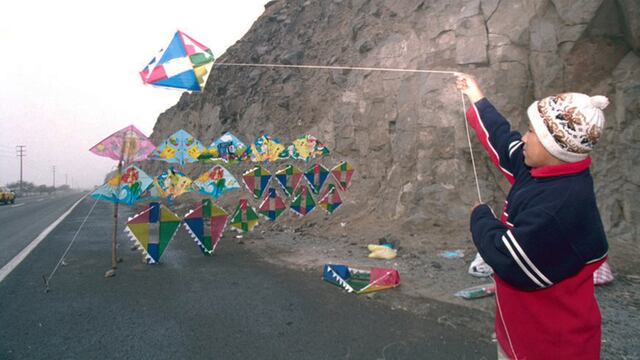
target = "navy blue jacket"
x: 550, y: 227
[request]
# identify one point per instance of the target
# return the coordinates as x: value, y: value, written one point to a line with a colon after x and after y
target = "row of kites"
x: 133, y: 185
x: 130, y: 145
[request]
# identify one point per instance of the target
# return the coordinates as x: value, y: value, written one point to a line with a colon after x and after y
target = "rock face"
x: 404, y: 132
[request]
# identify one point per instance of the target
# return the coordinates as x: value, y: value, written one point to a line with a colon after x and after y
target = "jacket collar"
x: 561, y: 170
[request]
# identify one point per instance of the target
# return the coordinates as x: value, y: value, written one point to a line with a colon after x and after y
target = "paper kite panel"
x: 316, y: 175
x: 153, y: 229
x: 266, y: 149
x: 206, y: 223
x: 303, y: 202
x: 226, y: 148
x: 180, y: 148
x: 256, y: 180
x: 307, y: 147
x: 289, y: 178
x: 272, y: 206
x: 330, y: 199
x: 216, y: 182
x: 244, y: 219
x: 343, y: 173
x: 128, y: 144
x: 125, y: 188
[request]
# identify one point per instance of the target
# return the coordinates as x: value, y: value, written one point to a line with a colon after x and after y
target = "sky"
x: 69, y: 76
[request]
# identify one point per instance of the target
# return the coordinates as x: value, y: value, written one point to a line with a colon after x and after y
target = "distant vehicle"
x: 7, y: 196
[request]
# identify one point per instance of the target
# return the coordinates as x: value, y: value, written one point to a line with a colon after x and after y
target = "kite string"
x: 46, y: 280
x: 331, y: 67
x: 473, y: 162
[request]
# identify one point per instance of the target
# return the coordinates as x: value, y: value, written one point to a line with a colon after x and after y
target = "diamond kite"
x: 125, y: 188
x: 288, y: 177
x: 272, y: 206
x: 226, y: 148
x: 244, y: 218
x: 316, y: 175
x: 256, y: 180
x: 303, y: 202
x: 360, y: 281
x: 184, y: 64
x: 180, y: 148
x: 126, y: 145
x: 267, y: 149
x: 206, y: 224
x: 216, y: 182
x: 330, y: 200
x: 152, y: 229
x: 342, y: 173
x: 307, y: 147
x: 171, y: 184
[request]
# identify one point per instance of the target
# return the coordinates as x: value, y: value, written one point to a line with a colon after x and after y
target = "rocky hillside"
x: 404, y: 132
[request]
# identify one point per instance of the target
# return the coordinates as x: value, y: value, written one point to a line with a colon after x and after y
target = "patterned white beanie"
x: 568, y: 125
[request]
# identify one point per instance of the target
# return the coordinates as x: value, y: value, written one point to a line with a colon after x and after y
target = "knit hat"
x: 568, y: 125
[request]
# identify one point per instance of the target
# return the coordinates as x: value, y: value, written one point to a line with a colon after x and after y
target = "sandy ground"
x: 426, y: 274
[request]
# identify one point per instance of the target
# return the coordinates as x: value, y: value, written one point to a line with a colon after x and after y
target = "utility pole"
x: 54, y: 178
x: 21, y: 152
x: 65, y: 179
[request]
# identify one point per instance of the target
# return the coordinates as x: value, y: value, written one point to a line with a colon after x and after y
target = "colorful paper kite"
x: 267, y: 149
x: 128, y: 145
x: 330, y: 199
x: 216, y: 182
x: 316, y: 175
x: 307, y: 147
x: 171, y: 184
x: 272, y: 206
x: 244, y: 218
x: 185, y: 64
x: 180, y: 148
x: 342, y: 173
x: 226, y: 148
x: 303, y: 202
x: 289, y: 177
x: 125, y: 188
x: 152, y: 229
x: 206, y: 224
x: 256, y: 180
x: 360, y: 281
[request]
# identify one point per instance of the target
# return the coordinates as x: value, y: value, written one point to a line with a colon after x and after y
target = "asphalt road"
x: 228, y: 306
x: 23, y: 221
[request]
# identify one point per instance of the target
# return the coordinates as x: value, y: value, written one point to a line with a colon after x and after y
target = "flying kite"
x: 360, y: 281
x: 124, y: 188
x: 267, y: 149
x: 152, y: 229
x: 288, y: 177
x: 343, y: 173
x: 216, y: 182
x: 226, y: 148
x: 316, y: 175
x: 206, y: 224
x: 330, y: 199
x: 306, y: 147
x: 244, y: 218
x: 180, y: 148
x: 127, y: 145
x: 184, y: 64
x: 303, y: 202
x: 272, y: 206
x: 256, y: 180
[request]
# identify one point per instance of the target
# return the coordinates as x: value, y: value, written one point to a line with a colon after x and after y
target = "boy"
x: 549, y: 238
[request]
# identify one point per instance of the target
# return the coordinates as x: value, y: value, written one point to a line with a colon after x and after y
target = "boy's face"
x: 535, y: 155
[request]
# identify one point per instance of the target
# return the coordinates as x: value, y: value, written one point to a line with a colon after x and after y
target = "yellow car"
x: 7, y: 196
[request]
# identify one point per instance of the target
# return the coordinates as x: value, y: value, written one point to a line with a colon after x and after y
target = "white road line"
x: 7, y: 269
x: 16, y: 205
